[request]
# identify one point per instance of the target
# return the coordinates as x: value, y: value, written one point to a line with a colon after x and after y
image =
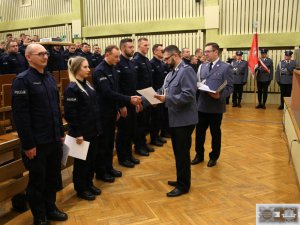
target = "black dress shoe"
x: 127, y: 164
x: 259, y: 106
x: 95, y: 190
x: 86, y: 195
x: 234, y: 105
x: 263, y: 106
x: 211, y: 163
x: 41, y: 222
x: 172, y: 183
x: 106, y: 178
x: 149, y: 149
x: 280, y: 107
x: 134, y: 160
x: 115, y: 173
x: 176, y: 192
x: 156, y: 143
x: 197, y: 160
x: 57, y: 215
x: 239, y: 105
x: 142, y: 152
x: 162, y: 140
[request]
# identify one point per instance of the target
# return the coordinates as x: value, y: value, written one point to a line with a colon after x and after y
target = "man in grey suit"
x: 180, y: 88
x: 211, y: 106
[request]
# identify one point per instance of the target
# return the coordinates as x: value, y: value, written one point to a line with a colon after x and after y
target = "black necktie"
x: 210, y: 66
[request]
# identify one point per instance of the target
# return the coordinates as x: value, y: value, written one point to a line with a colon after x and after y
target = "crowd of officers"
x: 94, y: 111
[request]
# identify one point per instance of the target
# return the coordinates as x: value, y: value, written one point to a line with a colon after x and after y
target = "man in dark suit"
x: 211, y: 106
x: 180, y: 98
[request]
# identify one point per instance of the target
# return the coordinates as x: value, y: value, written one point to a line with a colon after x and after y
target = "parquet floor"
x: 253, y: 168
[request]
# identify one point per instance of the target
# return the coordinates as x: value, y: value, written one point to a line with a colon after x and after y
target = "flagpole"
x: 255, y: 24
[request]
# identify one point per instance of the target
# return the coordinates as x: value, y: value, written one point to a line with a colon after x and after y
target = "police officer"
x: 264, y: 78
x: 180, y: 98
x: 36, y: 113
x: 105, y: 78
x: 240, y: 75
x: 186, y: 55
x: 56, y: 59
x: 160, y: 71
x: 97, y: 58
x: 284, y: 76
x: 12, y: 62
x: 127, y: 85
x: 144, y: 73
x: 70, y: 53
x: 82, y: 115
x: 86, y: 53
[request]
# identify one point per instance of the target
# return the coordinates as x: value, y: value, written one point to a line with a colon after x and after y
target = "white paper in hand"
x: 149, y: 93
x: 76, y: 150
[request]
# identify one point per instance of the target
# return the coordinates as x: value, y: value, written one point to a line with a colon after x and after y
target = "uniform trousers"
x: 213, y: 121
x: 181, y: 141
x: 237, y: 93
x: 285, y: 91
x: 44, y: 170
x: 143, y: 125
x: 262, y: 92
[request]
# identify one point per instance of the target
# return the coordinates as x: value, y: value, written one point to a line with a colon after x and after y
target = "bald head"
x: 34, y: 48
x: 37, y: 56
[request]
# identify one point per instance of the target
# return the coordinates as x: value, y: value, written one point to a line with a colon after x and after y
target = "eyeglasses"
x: 167, y: 58
x: 41, y: 54
x: 208, y: 51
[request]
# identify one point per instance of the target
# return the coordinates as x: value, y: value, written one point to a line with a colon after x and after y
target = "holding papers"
x: 149, y: 93
x: 76, y: 150
x: 203, y: 87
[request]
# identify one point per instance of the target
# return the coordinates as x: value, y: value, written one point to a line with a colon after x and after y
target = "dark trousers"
x: 83, y: 170
x: 104, y: 158
x: 126, y: 134
x: 143, y: 127
x: 237, y: 93
x: 157, y: 118
x: 285, y: 91
x: 213, y: 121
x: 44, y: 170
x: 181, y: 142
x: 262, y: 92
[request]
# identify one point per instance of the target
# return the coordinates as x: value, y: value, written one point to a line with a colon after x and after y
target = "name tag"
x: 20, y: 92
x: 37, y: 83
x: 71, y: 99
x: 102, y: 78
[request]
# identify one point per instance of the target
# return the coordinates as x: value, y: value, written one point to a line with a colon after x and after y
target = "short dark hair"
x: 214, y: 46
x: 124, y: 41
x: 142, y: 39
x: 109, y: 48
x: 84, y: 43
x: 172, y: 49
x: 156, y: 46
x: 198, y: 50
x: 7, y: 35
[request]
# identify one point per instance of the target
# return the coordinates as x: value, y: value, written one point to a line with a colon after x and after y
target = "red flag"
x: 253, y: 56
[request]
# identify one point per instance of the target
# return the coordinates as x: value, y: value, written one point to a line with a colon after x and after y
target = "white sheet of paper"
x: 149, y: 93
x: 204, y: 87
x: 65, y: 155
x: 76, y: 150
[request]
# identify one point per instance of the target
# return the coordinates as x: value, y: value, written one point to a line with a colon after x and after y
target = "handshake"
x: 135, y: 100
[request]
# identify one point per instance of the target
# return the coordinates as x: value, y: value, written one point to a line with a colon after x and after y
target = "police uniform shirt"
x: 56, y: 61
x: 160, y: 71
x: 240, y: 71
x: 144, y: 71
x: 262, y: 75
x: 96, y: 59
x: 284, y: 71
x: 105, y: 78
x: 88, y: 57
x: 67, y: 55
x: 35, y: 107
x: 13, y: 63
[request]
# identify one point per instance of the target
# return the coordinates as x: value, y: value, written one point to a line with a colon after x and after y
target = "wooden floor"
x: 253, y: 168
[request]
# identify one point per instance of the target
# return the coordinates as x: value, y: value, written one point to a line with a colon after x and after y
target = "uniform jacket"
x: 240, y: 71
x: 181, y: 87
x: 262, y: 75
x: 144, y: 71
x: 96, y: 59
x: 105, y: 79
x: 13, y: 63
x: 284, y: 72
x: 81, y: 111
x: 214, y: 79
x: 160, y: 70
x: 35, y: 107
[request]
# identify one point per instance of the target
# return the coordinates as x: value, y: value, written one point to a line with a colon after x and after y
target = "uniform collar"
x: 82, y: 82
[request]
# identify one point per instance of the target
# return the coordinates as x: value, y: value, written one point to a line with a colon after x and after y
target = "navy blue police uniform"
x: 13, y: 63
x: 88, y: 56
x: 96, y: 59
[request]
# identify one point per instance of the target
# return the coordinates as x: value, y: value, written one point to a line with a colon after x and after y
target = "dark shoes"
x: 211, y: 163
x: 239, y: 105
x: 115, y: 173
x: 259, y: 106
x: 106, y: 178
x: 149, y: 149
x: 156, y: 143
x: 86, y: 195
x: 95, y: 191
x: 263, y: 106
x: 197, y: 160
x: 176, y: 192
x: 134, y: 160
x: 57, y: 215
x: 172, y: 183
x: 166, y: 135
x: 234, y: 105
x: 162, y: 140
x: 127, y: 164
x: 142, y: 152
x: 280, y: 107
x: 41, y: 222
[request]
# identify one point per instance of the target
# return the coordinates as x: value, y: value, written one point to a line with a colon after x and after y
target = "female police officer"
x: 81, y: 113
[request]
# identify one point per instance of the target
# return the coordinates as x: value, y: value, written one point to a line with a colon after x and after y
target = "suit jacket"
x: 284, y: 72
x: 181, y: 87
x: 240, y: 71
x: 214, y: 79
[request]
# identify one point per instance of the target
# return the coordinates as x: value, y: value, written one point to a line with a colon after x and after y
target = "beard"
x: 172, y: 65
x: 128, y: 54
